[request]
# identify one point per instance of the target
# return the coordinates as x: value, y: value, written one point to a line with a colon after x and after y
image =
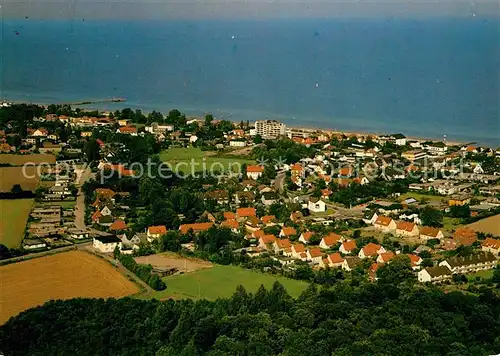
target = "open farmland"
x: 19, y: 160
x: 65, y: 275
x: 172, y: 260
x: 489, y: 225
x: 27, y: 178
x: 13, y: 216
x: 203, y: 160
x: 220, y: 282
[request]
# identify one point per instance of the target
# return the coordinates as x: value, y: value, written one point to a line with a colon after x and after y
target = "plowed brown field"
x: 67, y: 275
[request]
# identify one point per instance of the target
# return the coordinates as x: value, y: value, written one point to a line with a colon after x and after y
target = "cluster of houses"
x: 51, y: 226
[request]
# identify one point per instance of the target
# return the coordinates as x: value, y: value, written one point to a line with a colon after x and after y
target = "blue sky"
x: 246, y: 9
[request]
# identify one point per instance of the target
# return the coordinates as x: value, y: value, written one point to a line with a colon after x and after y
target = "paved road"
x: 80, y: 201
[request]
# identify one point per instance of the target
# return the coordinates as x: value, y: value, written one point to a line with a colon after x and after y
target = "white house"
x: 77, y: 234
x: 428, y: 233
x: 434, y: 274
x: 254, y: 172
x: 314, y: 254
x: 237, y: 143
x: 106, y: 244
x: 491, y: 245
x: 105, y: 211
x: 347, y: 247
x: 371, y: 250
x: 472, y: 263
x: 400, y: 139
x: 385, y: 224
x: 33, y: 244
x: 155, y: 232
x: 330, y: 240
x: 406, y: 228
x: 478, y: 169
x: 316, y: 205
x: 350, y: 262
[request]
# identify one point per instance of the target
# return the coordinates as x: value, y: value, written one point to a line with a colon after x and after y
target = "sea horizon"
x: 424, y: 78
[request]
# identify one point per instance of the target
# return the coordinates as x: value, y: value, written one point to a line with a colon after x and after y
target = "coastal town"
x: 306, y: 204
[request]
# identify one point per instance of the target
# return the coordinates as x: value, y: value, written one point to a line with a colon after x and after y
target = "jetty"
x: 103, y: 101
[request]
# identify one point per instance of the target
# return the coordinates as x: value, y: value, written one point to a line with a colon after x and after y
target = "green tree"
x: 431, y: 217
x: 399, y: 270
x: 91, y: 150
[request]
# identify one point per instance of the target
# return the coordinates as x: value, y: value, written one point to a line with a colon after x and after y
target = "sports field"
x: 13, y: 216
x: 183, y: 159
x: 65, y: 275
x: 221, y: 281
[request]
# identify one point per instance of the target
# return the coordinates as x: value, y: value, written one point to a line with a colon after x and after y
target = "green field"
x: 487, y: 274
x: 182, y: 158
x: 13, y: 216
x: 419, y: 197
x: 450, y: 224
x: 220, y: 282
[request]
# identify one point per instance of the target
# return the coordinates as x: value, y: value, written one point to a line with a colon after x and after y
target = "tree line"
x: 346, y: 319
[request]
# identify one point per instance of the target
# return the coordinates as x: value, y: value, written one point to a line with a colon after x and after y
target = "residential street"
x: 80, y: 200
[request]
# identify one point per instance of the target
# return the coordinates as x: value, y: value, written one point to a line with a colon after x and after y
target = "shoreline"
x: 305, y: 128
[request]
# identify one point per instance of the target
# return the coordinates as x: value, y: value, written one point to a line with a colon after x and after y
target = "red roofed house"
x: 385, y: 224
x: 266, y: 240
x: 105, y: 193
x: 288, y: 231
x: 231, y: 224
x: 372, y: 271
x: 254, y: 172
x: 428, y: 233
x: 371, y: 250
x: 347, y: 247
x: 156, y: 231
x: 245, y: 212
x: 100, y: 142
x: 128, y: 130
x: 306, y: 236
x: 229, y: 215
x: 268, y: 219
x: 281, y: 244
x: 298, y: 250
x: 118, y: 225
x: 296, y: 170
x: 385, y: 257
x: 330, y: 240
x: 415, y: 261
x: 345, y: 172
x: 406, y: 228
x: 96, y: 216
x: 196, y: 227
x: 335, y: 260
x: 120, y: 168
x: 491, y: 245
x: 314, y: 254
x: 258, y: 233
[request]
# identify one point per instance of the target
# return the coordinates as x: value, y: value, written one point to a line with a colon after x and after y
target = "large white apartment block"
x: 270, y: 129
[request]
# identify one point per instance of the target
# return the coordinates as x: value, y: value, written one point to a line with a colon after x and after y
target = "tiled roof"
x: 195, y: 227
x: 157, y: 230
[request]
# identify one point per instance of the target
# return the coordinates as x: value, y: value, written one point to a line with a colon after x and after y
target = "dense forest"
x: 346, y: 319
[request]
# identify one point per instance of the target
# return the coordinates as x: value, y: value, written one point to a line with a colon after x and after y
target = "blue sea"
x: 425, y: 78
